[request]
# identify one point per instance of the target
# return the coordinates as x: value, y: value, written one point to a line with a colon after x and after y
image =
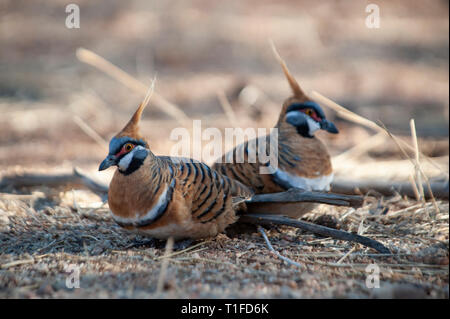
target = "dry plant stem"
x: 414, y: 187
x: 349, y: 115
x: 346, y: 255
x: 94, y: 186
x: 90, y: 132
x: 17, y: 263
x: 299, y: 195
x: 182, y: 251
x: 121, y: 76
x: 261, y: 219
x: 269, y: 245
x: 420, y: 171
x: 77, y: 178
x: 226, y: 106
x: 416, y: 160
x: 164, y: 264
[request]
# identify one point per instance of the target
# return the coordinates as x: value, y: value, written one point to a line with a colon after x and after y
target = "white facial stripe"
x: 126, y: 160
x: 320, y: 183
x: 312, y: 125
x: 150, y: 214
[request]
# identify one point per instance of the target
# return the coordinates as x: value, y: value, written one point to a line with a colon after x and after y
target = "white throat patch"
x: 312, y: 125
x: 320, y: 183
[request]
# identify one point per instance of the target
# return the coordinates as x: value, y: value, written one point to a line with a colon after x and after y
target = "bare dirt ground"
x: 198, y: 49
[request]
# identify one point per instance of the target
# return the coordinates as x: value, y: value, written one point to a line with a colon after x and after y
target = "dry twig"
x: 351, y: 116
x: 269, y: 245
x: 164, y: 264
x: 261, y: 219
x: 299, y: 195
x: 90, y: 132
x: 120, y: 75
x: 226, y: 106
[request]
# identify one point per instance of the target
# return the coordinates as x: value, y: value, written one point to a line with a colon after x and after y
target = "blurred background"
x: 198, y: 49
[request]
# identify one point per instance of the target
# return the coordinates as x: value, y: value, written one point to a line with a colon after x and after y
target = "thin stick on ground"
x: 262, y: 219
x: 182, y: 251
x: 131, y: 82
x: 346, y: 255
x: 361, y: 231
x: 269, y: 245
x: 164, y: 265
x: 299, y: 195
x: 16, y: 263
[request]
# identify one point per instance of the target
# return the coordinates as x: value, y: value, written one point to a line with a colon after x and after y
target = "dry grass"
x: 40, y: 236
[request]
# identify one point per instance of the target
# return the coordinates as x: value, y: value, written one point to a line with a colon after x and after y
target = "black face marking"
x: 299, y: 121
x: 304, y: 131
x: 136, y: 162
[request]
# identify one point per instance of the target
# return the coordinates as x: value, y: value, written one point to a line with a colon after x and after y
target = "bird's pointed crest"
x: 132, y: 127
x: 298, y: 92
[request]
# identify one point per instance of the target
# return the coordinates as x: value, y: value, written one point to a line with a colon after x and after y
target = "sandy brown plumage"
x: 167, y: 197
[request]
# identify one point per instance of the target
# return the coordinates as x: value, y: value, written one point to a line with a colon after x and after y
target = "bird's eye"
x: 128, y: 147
x: 309, y: 112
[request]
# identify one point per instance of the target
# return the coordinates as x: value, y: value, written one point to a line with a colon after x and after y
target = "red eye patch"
x: 122, y: 151
x: 125, y: 149
x: 312, y: 114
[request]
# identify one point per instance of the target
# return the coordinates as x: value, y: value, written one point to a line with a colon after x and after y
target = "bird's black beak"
x: 328, y: 126
x: 109, y: 161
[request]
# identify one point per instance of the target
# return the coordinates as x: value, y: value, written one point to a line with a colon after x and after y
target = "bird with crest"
x: 303, y: 161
